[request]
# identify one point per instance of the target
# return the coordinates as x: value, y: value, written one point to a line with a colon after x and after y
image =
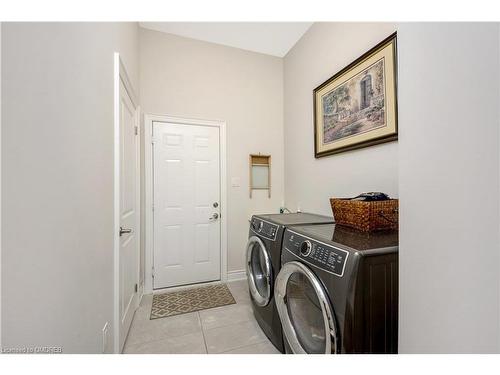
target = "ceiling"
x: 271, y: 38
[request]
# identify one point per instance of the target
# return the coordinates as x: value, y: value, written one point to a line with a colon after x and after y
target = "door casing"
x: 120, y: 75
x: 149, y: 119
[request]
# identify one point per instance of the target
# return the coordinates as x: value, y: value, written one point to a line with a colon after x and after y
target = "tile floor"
x: 228, y: 330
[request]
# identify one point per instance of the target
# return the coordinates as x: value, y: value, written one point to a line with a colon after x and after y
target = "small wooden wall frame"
x: 259, y: 164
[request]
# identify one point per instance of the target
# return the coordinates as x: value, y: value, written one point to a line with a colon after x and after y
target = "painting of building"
x: 355, y: 106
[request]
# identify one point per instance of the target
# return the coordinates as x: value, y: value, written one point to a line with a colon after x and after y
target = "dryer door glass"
x: 305, y: 314
x: 259, y: 271
x: 305, y: 310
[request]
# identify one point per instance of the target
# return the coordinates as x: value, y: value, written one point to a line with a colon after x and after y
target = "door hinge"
x: 136, y: 288
x: 152, y: 207
x: 153, y: 272
x: 136, y: 130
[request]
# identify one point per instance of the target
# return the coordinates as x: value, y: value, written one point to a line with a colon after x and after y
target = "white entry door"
x: 186, y: 204
x: 128, y: 212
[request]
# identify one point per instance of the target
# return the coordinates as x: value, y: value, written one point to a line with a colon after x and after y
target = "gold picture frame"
x: 357, y: 107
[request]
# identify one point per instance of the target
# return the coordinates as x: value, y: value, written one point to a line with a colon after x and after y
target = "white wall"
x: 189, y: 78
x: 449, y: 186
x: 57, y: 180
x: 325, y: 49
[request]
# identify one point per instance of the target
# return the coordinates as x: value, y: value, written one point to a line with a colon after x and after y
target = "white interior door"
x: 129, y: 213
x: 186, y: 204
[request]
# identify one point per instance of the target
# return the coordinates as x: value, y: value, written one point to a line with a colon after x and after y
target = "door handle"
x: 214, y: 217
x: 124, y: 231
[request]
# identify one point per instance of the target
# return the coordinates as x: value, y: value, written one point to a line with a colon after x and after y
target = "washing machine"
x: 263, y: 260
x: 337, y: 290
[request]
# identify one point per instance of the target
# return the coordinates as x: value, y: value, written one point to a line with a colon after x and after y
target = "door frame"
x: 120, y: 75
x: 149, y: 119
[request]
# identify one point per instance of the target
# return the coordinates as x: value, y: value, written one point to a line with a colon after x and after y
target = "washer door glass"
x: 305, y: 314
x: 259, y: 271
x: 305, y: 311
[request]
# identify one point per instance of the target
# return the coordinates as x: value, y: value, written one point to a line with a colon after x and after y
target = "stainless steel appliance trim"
x: 280, y: 292
x: 308, y: 246
x: 258, y: 298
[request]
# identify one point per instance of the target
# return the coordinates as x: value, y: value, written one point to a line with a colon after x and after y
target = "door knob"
x: 215, y: 216
x: 124, y: 231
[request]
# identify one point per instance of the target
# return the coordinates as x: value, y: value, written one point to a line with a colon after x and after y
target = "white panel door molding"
x: 187, y: 200
x: 127, y: 207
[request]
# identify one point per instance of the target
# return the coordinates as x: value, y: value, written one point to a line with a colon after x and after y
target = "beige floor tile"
x: 234, y: 336
x: 224, y: 329
x: 238, y: 284
x: 243, y: 300
x: 144, y: 330
x: 147, y: 300
x: 187, y: 344
x: 143, y: 313
x: 239, y: 290
x: 261, y: 348
x: 225, y: 315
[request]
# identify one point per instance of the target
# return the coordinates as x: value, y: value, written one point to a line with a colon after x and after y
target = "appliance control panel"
x: 319, y: 254
x: 264, y: 228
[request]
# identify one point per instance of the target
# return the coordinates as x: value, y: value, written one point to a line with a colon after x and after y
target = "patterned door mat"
x: 190, y: 300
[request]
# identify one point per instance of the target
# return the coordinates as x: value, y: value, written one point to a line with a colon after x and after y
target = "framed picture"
x: 357, y: 107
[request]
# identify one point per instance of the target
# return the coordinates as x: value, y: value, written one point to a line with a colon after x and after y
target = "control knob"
x: 305, y: 248
x: 254, y: 224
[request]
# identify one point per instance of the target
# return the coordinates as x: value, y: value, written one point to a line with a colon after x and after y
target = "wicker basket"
x: 366, y: 216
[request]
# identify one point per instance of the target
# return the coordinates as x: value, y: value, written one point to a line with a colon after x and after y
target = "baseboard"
x: 185, y: 287
x: 141, y: 292
x: 231, y: 276
x: 236, y: 275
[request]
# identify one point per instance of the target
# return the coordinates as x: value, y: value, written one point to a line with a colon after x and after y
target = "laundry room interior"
x: 250, y: 187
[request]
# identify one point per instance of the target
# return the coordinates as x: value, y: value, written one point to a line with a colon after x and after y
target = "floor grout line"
x: 251, y: 318
x: 162, y: 338
x: 243, y: 346
x: 264, y: 339
x: 227, y: 325
x: 246, y: 346
x: 203, y: 332
x: 167, y: 338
